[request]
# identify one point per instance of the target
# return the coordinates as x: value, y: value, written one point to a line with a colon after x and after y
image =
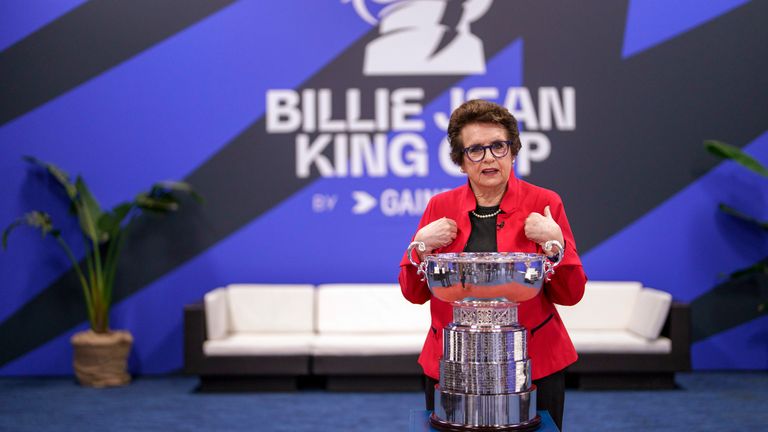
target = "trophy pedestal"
x: 485, y: 373
x: 495, y: 413
x: 451, y: 427
x: 419, y: 422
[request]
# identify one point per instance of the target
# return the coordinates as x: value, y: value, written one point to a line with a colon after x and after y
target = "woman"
x: 497, y: 212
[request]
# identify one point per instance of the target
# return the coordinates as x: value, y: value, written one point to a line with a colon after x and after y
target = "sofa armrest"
x: 196, y: 362
x: 650, y: 311
x: 195, y: 334
x: 678, y: 329
x: 217, y: 313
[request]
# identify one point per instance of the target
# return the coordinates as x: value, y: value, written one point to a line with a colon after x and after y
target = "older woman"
x: 497, y: 212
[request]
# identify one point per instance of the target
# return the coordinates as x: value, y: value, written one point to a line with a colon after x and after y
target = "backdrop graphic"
x: 315, y: 131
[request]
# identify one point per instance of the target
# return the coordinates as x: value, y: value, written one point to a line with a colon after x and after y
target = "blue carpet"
x: 705, y: 402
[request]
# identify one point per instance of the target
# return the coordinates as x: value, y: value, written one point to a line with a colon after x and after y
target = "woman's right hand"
x: 437, y: 234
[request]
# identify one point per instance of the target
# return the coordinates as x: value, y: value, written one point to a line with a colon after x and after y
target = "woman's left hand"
x: 541, y: 228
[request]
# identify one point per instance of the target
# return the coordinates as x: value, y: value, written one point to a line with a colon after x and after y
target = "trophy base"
x: 443, y: 425
x: 490, y: 412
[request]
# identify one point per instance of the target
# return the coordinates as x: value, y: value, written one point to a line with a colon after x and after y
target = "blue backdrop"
x: 315, y: 133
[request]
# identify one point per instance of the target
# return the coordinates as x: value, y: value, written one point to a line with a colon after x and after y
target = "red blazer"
x: 549, y: 346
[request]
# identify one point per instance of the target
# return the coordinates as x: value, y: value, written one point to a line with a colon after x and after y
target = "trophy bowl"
x: 484, y: 276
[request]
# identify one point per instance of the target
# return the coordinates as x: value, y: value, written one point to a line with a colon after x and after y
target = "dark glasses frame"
x: 498, y: 149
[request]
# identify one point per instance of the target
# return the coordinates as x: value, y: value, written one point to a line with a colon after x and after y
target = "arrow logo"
x: 363, y: 202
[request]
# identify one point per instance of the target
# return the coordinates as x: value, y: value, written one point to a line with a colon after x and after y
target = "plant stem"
x: 83, y: 282
x: 93, y: 307
x: 110, y: 264
x: 100, y: 323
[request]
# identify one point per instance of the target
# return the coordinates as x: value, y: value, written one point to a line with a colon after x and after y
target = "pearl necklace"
x: 486, y: 216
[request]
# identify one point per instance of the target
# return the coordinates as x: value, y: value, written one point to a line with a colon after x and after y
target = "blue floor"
x: 705, y: 402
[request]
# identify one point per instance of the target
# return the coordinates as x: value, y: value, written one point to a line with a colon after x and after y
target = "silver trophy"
x: 485, y: 372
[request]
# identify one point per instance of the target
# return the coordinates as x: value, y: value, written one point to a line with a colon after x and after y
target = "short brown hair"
x: 480, y: 111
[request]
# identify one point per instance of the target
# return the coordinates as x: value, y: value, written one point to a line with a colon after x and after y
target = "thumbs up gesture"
x: 540, y: 228
x: 437, y: 234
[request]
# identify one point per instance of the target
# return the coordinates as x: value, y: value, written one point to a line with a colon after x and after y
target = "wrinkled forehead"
x: 482, y: 133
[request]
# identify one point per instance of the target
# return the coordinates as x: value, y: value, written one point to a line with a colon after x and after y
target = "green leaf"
x: 171, y: 185
x: 162, y: 204
x: 743, y: 216
x: 168, y: 187
x: 162, y: 197
x: 35, y: 219
x: 110, y: 222
x: 727, y: 151
x: 7, y: 231
x: 88, y: 212
x: 760, y: 267
x: 39, y: 220
x: 57, y: 173
x: 120, y: 211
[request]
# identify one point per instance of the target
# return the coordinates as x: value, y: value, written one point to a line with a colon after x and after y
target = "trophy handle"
x: 422, y: 267
x: 549, y: 265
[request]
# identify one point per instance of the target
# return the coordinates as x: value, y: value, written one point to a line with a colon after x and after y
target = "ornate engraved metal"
x: 484, y: 313
x: 485, y: 372
x: 485, y: 378
x: 464, y: 344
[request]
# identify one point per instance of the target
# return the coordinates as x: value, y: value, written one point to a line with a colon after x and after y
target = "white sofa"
x: 243, y: 319
x: 353, y: 335
x: 627, y: 336
x: 330, y: 320
x: 366, y: 320
x: 367, y: 336
x: 618, y: 317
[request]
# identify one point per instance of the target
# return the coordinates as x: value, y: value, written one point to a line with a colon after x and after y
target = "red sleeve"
x: 567, y: 284
x: 414, y: 289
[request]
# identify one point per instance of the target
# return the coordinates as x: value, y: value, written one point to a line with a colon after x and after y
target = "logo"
x: 424, y: 37
x: 364, y: 202
x: 390, y: 132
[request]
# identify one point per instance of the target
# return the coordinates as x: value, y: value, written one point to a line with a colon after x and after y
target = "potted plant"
x: 755, y: 275
x: 100, y: 353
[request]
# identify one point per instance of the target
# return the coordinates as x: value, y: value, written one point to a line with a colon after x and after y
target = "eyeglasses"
x: 476, y: 152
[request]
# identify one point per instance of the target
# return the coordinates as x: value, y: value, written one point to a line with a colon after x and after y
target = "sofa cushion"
x: 244, y: 344
x: 277, y: 308
x: 368, y: 308
x: 605, y: 306
x: 617, y: 341
x: 367, y: 344
x: 650, y: 312
x: 216, y: 314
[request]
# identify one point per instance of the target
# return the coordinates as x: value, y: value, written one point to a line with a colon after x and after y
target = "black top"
x: 482, y: 237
